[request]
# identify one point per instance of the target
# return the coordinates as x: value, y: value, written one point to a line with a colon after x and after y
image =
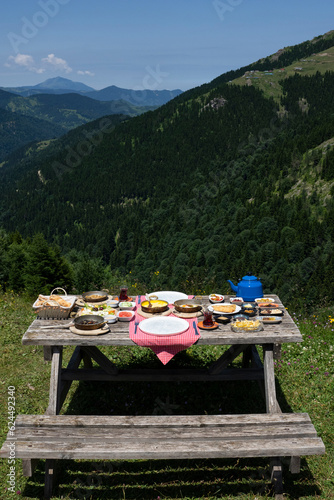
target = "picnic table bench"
x: 272, y: 434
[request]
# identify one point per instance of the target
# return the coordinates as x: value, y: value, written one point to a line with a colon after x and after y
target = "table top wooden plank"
x: 280, y: 333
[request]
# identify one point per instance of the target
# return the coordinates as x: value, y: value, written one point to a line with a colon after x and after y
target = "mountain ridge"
x: 192, y: 194
x: 59, y: 85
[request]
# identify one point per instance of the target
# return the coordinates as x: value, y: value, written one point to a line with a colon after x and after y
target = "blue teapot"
x: 249, y: 288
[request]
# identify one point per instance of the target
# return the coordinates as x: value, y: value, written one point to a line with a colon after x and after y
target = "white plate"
x: 264, y: 299
x: 164, y: 326
x: 170, y: 297
x: 221, y: 313
x: 271, y: 319
x: 221, y: 298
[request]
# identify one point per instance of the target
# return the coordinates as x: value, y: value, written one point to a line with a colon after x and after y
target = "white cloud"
x: 25, y: 61
x: 58, y: 63
x: 86, y: 73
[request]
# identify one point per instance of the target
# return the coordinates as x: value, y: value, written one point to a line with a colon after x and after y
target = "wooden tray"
x: 90, y: 333
x: 151, y: 315
x: 187, y: 315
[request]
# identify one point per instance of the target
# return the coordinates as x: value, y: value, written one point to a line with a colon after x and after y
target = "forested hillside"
x: 218, y: 182
x: 17, y: 130
x: 66, y: 111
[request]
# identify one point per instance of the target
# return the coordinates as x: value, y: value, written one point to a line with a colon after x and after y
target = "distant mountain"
x: 143, y: 97
x: 60, y: 85
x: 56, y: 85
x: 63, y: 84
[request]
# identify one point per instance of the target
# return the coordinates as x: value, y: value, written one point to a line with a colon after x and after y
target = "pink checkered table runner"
x: 165, y: 347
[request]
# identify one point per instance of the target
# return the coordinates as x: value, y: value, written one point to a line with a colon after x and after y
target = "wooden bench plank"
x: 111, y: 434
x: 168, y: 449
x: 205, y: 436
x: 161, y: 420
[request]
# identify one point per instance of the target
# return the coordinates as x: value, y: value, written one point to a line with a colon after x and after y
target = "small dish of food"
x: 249, y: 305
x: 236, y: 300
x: 223, y: 319
x: 247, y: 325
x: 187, y: 305
x: 215, y: 298
x: 127, y: 306
x: 261, y: 300
x: 250, y: 311
x: 270, y: 305
x: 95, y: 296
x: 125, y: 315
x: 271, y: 319
x: 112, y: 302
x: 272, y: 311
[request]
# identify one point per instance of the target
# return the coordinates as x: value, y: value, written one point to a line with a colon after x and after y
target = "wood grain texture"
x: 269, y: 379
x: 164, y: 437
x: 55, y: 381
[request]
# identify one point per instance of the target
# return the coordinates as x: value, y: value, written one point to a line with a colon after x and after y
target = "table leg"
x: 73, y: 364
x: 227, y: 358
x: 277, y: 477
x: 105, y: 363
x: 277, y: 351
x: 269, y: 379
x: 55, y: 381
x: 50, y: 473
x: 247, y: 357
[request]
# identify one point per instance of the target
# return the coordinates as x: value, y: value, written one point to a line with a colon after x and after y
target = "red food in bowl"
x: 125, y: 314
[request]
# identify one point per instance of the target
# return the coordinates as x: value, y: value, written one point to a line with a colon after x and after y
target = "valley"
x: 223, y: 179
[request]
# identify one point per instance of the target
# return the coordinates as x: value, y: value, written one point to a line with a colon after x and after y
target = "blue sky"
x: 152, y: 44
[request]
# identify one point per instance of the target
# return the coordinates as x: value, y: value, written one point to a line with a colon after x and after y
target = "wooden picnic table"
x: 86, y: 348
x: 271, y: 434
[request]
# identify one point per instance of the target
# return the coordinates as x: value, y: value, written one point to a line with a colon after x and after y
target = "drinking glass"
x: 123, y: 294
x: 208, y: 320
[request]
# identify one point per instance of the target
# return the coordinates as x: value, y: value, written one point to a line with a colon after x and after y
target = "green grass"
x: 269, y: 84
x: 305, y: 383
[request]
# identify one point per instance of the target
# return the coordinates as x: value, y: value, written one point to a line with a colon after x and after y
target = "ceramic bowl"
x: 128, y: 317
x: 216, y: 298
x: 127, y: 306
x: 236, y: 300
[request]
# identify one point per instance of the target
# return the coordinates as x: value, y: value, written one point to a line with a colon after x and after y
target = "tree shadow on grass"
x: 150, y: 479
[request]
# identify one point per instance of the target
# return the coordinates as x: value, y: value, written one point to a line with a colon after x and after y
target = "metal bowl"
x: 195, y: 305
x: 97, y: 296
x: 250, y: 311
x: 89, y: 322
x: 223, y: 319
x: 154, y: 308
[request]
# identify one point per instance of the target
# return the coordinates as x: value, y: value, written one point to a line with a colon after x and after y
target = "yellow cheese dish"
x: 154, y: 303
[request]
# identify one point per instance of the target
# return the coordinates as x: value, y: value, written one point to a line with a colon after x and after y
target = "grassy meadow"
x: 269, y: 82
x: 305, y: 383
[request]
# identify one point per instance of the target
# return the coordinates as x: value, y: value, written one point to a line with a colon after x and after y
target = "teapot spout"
x: 234, y: 287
